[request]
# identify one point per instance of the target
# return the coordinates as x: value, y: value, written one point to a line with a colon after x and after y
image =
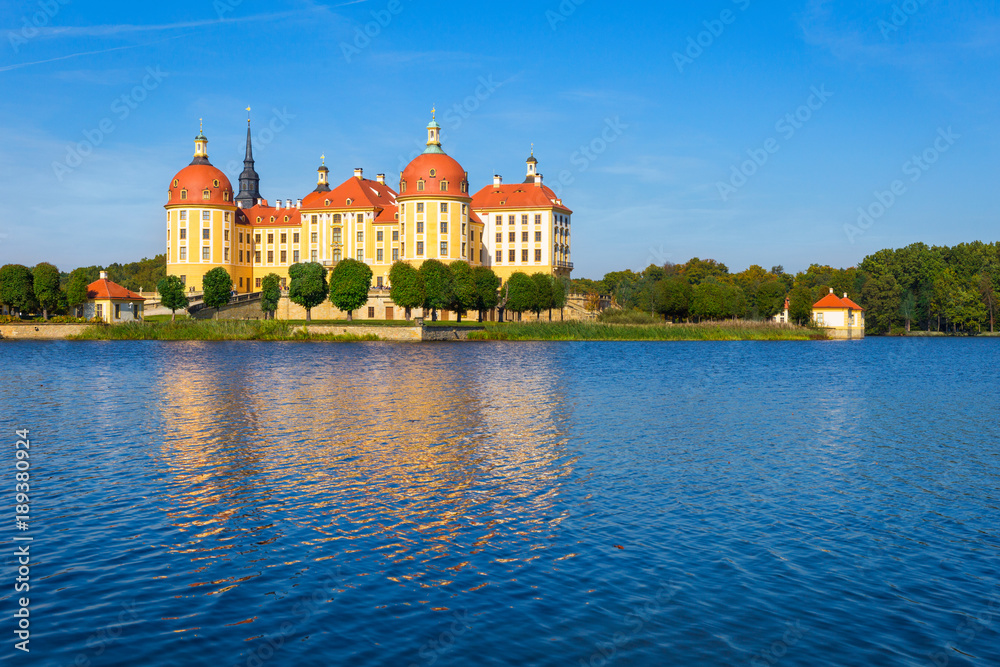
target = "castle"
x: 508, y: 227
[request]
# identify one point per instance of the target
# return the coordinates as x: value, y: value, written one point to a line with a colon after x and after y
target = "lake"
x: 253, y: 504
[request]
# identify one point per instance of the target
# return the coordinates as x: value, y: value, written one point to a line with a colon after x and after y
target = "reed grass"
x: 707, y: 331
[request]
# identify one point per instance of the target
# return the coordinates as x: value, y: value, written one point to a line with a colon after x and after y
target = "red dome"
x: 445, y: 168
x: 195, y: 179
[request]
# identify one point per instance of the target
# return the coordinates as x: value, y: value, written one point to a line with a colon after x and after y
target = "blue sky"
x: 731, y: 129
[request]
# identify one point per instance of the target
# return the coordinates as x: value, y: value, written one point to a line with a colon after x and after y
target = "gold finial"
x: 201, y: 126
x: 323, y: 158
x: 434, y: 113
x: 248, y: 115
x: 532, y: 150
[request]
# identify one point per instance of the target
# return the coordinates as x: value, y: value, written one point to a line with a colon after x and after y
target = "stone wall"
x: 407, y: 334
x: 32, y: 331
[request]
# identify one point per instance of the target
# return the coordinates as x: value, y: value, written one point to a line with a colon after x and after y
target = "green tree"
x: 46, y: 286
x: 439, y: 286
x: 521, y: 295
x: 989, y: 296
x: 406, y: 287
x: 464, y: 291
x: 172, y: 295
x: 675, y: 297
x: 908, y: 308
x: 270, y: 295
x: 218, y: 287
x: 560, y: 289
x: 770, y: 299
x: 709, y: 301
x: 349, y: 285
x: 544, y: 294
x: 698, y: 271
x: 881, y: 299
x: 308, y: 287
x: 17, y: 290
x: 76, y: 289
x: 966, y: 310
x: 800, y: 305
x: 487, y: 289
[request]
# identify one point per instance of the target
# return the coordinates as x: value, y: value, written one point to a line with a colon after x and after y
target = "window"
x: 315, y: 219
x: 378, y: 282
x: 361, y: 255
x: 315, y: 236
x: 538, y: 254
x: 176, y: 182
x: 402, y: 186
x: 512, y: 256
x: 295, y: 237
x: 524, y: 237
x: 270, y: 257
x: 258, y: 283
x: 538, y: 218
x: 229, y: 216
x: 361, y: 237
x: 184, y: 280
x: 463, y: 250
x: 444, y: 227
x: 444, y: 186
x: 206, y: 194
x: 513, y: 237
x: 184, y: 215
x: 360, y: 218
x: 118, y: 311
x: 184, y: 233
x: 206, y: 234
x: 295, y: 257
x: 819, y: 319
x: 183, y: 253
x: 465, y: 186
x: 336, y: 218
x: 499, y: 256
x: 257, y: 238
x: 444, y: 248
x: 184, y: 194
x: 241, y: 256
x: 337, y: 255
x: 464, y: 228
x: 206, y: 216
x: 420, y: 187
x: 395, y: 254
x: 444, y: 207
x: 538, y: 237
x: 270, y: 239
x: 420, y: 248
x: 225, y: 195
x: 284, y: 256
x: 226, y: 254
x: 241, y: 283
x: 379, y: 255
x: 420, y: 207
x: 380, y: 236
x: 312, y: 257
x: 284, y: 283
x: 465, y: 209
x: 206, y: 253
x: 499, y: 237
x: 512, y: 219
x: 434, y: 173
x: 395, y: 235
x: 524, y: 255
x: 99, y: 310
x: 371, y: 312
x: 284, y: 239
x: 225, y: 235
x: 256, y: 256
x: 524, y: 219
x: 420, y: 228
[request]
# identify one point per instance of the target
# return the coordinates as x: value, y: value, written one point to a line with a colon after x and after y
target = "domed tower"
x: 201, y: 221
x: 435, y: 212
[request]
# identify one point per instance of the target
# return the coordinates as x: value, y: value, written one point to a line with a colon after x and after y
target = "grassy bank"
x: 217, y: 330
x: 708, y: 331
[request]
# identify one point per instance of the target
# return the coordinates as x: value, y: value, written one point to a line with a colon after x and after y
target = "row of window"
x: 512, y: 237
x: 445, y: 185
x: 205, y: 194
x: 512, y: 256
x: 206, y: 216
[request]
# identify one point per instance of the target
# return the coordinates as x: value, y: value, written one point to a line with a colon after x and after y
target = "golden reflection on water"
x: 380, y: 453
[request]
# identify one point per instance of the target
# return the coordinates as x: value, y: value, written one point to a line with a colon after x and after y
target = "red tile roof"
x: 195, y: 178
x: 833, y: 301
x: 362, y: 192
x: 518, y: 195
x: 248, y: 216
x: 105, y: 289
x: 445, y: 167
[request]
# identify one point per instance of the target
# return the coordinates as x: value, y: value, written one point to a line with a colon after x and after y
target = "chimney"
x: 358, y: 172
x: 104, y: 275
x: 288, y: 203
x: 831, y: 290
x: 538, y: 180
x: 277, y: 203
x: 380, y: 178
x: 298, y: 204
x: 845, y: 295
x: 497, y: 181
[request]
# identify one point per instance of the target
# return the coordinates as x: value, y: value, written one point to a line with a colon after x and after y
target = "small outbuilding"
x: 111, y: 302
x: 841, y: 317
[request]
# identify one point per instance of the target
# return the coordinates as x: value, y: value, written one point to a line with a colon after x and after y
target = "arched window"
x: 170, y: 195
x: 420, y: 185
x: 206, y: 194
x: 434, y: 173
x: 184, y: 194
x: 402, y: 186
x: 444, y: 186
x: 327, y: 202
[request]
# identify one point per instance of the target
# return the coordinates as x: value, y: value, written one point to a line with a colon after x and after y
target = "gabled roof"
x: 362, y: 192
x: 265, y: 213
x: 517, y: 195
x: 105, y: 289
x: 834, y: 302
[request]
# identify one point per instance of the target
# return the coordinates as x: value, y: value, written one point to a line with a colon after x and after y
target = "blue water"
x: 507, y: 504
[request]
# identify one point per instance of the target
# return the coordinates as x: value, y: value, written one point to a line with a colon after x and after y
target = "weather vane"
x: 434, y: 113
x: 532, y: 150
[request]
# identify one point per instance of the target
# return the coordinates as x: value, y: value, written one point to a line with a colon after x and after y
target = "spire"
x: 532, y: 163
x: 200, y: 146
x: 249, y: 180
x: 434, y: 134
x: 323, y: 176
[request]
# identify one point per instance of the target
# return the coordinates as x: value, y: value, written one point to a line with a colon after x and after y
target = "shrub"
x: 617, y: 316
